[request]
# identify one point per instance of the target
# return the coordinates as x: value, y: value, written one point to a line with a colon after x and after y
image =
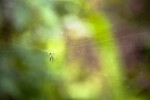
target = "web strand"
x: 29, y: 44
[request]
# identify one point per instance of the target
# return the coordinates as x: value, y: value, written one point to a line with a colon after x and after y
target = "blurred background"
x: 100, y: 50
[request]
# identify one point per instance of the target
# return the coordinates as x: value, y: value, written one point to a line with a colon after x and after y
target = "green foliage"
x: 29, y: 28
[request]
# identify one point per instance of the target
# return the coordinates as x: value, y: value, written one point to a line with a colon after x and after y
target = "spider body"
x: 51, y: 57
x: 50, y: 53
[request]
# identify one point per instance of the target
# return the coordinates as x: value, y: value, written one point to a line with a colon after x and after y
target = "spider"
x: 51, y: 57
x: 50, y: 54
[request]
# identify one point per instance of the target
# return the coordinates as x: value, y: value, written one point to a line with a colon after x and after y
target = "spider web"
x: 77, y: 46
x: 85, y: 48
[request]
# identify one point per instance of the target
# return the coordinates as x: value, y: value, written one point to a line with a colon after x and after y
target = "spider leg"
x: 51, y: 59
